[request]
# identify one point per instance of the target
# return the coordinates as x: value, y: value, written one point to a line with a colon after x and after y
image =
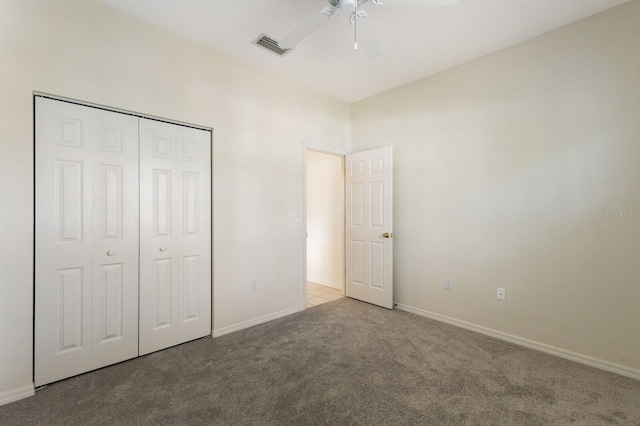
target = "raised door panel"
x: 376, y: 265
x: 357, y: 203
x: 191, y: 197
x: 163, y: 298
x: 69, y: 205
x: 191, y: 291
x: 356, y: 250
x: 70, y: 310
x: 110, y: 322
x: 112, y: 202
x: 162, y: 203
x: 376, y: 206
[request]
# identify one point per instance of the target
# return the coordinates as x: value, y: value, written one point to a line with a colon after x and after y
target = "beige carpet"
x: 340, y: 363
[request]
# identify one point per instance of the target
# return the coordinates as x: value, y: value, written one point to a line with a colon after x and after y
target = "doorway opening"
x: 325, y: 224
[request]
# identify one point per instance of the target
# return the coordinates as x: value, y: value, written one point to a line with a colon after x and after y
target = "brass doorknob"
x: 387, y: 235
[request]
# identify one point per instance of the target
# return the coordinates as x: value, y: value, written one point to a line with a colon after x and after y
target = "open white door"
x: 370, y: 226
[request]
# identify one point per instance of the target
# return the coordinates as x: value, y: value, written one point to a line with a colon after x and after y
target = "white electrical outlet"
x: 254, y: 285
x: 502, y: 294
x: 448, y: 284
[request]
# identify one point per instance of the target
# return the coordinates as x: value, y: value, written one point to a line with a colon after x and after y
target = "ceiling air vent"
x: 270, y: 44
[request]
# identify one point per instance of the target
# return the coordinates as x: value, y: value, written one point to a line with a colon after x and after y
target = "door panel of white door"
x: 175, y: 244
x: 63, y: 241
x: 369, y: 227
x: 86, y: 301
x: 115, y: 238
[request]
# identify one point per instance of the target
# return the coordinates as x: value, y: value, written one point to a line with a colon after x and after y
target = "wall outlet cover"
x: 502, y: 294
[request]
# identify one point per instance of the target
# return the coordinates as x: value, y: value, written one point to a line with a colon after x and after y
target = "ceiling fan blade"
x: 367, y: 39
x: 304, y: 30
x: 416, y: 2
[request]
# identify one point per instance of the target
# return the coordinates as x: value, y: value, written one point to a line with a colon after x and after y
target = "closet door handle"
x: 163, y: 248
x: 110, y: 253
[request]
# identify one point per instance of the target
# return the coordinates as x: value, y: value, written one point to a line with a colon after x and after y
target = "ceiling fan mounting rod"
x: 353, y: 20
x: 355, y: 27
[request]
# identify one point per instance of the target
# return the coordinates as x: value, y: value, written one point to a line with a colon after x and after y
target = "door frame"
x: 340, y: 153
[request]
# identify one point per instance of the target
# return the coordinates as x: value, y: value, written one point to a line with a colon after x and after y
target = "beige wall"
x: 325, y: 219
x: 82, y: 50
x: 503, y: 169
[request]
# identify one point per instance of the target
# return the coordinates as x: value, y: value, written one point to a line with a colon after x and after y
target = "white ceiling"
x: 417, y: 41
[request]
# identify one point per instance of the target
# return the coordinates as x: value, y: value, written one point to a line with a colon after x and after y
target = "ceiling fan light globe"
x: 348, y: 6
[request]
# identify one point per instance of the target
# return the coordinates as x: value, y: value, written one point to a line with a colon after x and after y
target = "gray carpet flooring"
x: 340, y: 363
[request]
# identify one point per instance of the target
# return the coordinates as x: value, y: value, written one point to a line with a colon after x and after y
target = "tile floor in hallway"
x: 318, y: 294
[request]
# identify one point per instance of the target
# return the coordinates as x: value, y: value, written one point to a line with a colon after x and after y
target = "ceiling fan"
x: 363, y: 31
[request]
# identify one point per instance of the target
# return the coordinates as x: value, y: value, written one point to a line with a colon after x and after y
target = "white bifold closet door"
x: 175, y: 234
x: 123, y: 237
x: 86, y: 273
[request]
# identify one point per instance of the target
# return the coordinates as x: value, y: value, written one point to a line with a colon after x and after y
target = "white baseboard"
x: 531, y: 344
x: 17, y: 394
x: 325, y: 283
x: 260, y: 320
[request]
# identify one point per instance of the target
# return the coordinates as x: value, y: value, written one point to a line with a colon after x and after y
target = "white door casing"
x: 369, y: 226
x: 175, y: 234
x: 86, y: 272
